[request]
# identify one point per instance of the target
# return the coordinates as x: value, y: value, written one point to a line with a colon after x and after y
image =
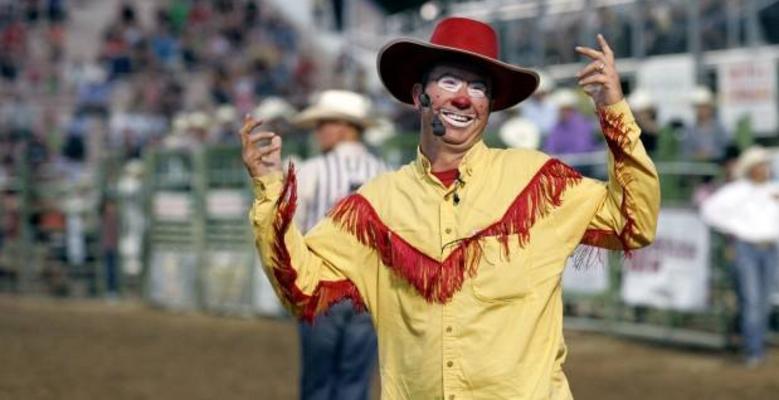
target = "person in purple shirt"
x: 573, y: 132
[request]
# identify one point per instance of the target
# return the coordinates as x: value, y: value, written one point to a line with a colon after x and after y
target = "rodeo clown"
x: 458, y: 255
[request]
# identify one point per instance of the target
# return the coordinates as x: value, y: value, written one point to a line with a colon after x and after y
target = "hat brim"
x: 402, y: 62
x: 309, y: 117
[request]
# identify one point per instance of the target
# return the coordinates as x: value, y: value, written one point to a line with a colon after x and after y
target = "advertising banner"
x: 672, y: 273
x: 748, y: 90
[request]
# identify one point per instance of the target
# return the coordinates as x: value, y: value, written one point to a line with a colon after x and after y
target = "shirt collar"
x: 473, y: 160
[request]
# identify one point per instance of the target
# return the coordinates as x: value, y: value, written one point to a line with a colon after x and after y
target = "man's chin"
x: 458, y: 139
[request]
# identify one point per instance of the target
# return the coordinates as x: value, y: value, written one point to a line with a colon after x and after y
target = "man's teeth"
x: 455, y: 119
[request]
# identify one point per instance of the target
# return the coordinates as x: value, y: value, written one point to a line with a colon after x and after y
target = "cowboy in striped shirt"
x: 339, y: 348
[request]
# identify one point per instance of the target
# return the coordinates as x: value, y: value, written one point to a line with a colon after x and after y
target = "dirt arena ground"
x: 92, y: 350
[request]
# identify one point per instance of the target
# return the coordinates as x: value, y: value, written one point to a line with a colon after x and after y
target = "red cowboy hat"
x: 402, y: 62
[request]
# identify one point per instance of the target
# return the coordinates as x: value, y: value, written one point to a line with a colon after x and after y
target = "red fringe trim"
x: 613, y: 130
x: 326, y: 293
x: 437, y: 281
x: 602, y: 238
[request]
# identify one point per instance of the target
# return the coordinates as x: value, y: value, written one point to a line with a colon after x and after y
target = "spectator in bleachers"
x: 520, y: 133
x: 645, y: 111
x: 225, y: 128
x: 706, y: 139
x: 109, y: 246
x: 665, y: 27
x: 540, y: 107
x: 573, y: 133
x: 748, y: 209
x: 614, y: 26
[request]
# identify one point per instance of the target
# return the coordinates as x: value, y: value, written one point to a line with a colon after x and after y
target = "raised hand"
x: 599, y: 79
x: 261, y: 151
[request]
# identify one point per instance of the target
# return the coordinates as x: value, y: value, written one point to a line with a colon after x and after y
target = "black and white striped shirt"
x: 326, y: 179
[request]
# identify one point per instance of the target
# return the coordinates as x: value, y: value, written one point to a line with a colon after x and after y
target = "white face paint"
x: 461, y: 99
x: 453, y: 84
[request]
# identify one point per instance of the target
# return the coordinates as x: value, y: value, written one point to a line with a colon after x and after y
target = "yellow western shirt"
x: 462, y: 283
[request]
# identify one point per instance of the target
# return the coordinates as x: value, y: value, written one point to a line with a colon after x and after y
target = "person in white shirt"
x: 748, y: 210
x: 540, y: 108
x: 339, y: 347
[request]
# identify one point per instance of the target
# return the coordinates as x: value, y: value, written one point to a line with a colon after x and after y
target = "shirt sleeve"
x: 308, y: 274
x: 626, y: 217
x: 717, y: 210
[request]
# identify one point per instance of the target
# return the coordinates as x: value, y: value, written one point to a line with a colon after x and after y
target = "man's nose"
x: 461, y: 102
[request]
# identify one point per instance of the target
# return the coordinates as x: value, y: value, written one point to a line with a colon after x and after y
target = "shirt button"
x: 448, y: 329
x: 449, y: 364
x: 448, y: 230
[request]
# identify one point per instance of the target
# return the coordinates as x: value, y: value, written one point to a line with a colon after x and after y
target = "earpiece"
x: 424, y: 100
x: 436, y: 125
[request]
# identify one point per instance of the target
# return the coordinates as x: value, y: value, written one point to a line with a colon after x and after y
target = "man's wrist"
x: 268, y: 186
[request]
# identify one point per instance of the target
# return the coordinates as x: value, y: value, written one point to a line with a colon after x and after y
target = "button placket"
x: 450, y: 359
x: 448, y: 228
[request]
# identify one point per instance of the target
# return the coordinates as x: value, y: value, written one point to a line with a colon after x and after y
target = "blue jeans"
x: 338, y: 355
x: 756, y: 269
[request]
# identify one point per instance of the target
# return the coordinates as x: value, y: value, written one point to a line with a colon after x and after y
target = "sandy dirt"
x: 94, y: 350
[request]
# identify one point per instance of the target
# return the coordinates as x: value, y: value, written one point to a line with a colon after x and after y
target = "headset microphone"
x: 437, y: 126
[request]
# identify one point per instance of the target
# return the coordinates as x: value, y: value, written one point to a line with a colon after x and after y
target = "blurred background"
x: 127, y: 267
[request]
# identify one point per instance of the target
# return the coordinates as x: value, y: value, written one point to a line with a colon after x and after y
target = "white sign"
x: 670, y: 81
x: 748, y: 89
x: 172, y: 206
x: 227, y: 281
x: 226, y: 204
x: 672, y: 273
x: 172, y: 277
x: 587, y: 271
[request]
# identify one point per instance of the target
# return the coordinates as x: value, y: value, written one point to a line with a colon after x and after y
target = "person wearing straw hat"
x: 706, y: 139
x: 748, y: 210
x: 458, y: 255
x: 338, y: 351
x: 642, y: 104
x: 539, y: 108
x: 573, y: 133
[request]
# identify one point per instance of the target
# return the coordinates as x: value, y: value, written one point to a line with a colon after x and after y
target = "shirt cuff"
x: 268, y: 187
x: 619, y: 108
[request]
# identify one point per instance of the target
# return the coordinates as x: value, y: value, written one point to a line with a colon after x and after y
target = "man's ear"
x: 416, y: 90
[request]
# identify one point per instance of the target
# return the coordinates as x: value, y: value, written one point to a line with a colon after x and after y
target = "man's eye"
x: 477, y: 89
x: 450, y: 83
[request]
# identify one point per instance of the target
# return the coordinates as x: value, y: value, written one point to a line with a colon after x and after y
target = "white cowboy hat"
x: 274, y: 108
x: 226, y: 114
x: 640, y: 100
x: 520, y: 133
x: 546, y: 83
x: 565, y: 98
x: 702, y: 96
x: 750, y: 158
x: 180, y: 123
x: 339, y: 105
x: 198, y: 120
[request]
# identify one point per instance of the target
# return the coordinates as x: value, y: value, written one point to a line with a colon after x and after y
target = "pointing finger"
x: 605, y: 47
x: 588, y: 52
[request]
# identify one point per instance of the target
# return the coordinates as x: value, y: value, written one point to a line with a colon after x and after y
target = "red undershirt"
x: 447, y: 177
